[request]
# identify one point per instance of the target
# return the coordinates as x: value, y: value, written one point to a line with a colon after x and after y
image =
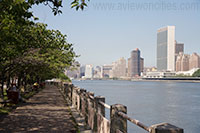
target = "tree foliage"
x: 29, y: 51
x: 197, y: 73
x: 55, y: 5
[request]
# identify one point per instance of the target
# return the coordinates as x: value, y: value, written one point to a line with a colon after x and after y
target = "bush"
x: 197, y: 73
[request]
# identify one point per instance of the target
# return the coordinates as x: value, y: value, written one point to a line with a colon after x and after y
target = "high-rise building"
x: 129, y: 68
x: 97, y: 72
x: 106, y: 71
x: 82, y: 71
x: 185, y: 62
x: 178, y: 61
x: 166, y: 48
x: 194, y: 61
x: 134, y: 63
x: 179, y: 47
x: 119, y: 68
x: 141, y: 64
x: 182, y: 62
x: 88, y: 71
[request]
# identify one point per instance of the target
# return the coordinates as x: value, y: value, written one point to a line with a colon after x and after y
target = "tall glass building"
x: 166, y: 48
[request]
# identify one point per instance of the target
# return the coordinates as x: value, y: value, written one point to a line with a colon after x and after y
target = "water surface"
x: 177, y: 103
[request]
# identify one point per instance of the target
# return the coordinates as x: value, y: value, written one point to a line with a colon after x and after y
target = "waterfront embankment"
x: 167, y: 79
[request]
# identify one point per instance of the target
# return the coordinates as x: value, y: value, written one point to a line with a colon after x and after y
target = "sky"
x: 109, y: 29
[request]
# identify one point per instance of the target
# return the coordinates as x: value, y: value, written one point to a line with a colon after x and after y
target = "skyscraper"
x: 182, y: 62
x: 119, y: 69
x: 106, y: 71
x: 141, y: 64
x: 97, y: 72
x: 194, y: 61
x: 185, y: 62
x: 134, y: 63
x: 179, y: 47
x: 129, y: 68
x: 178, y: 61
x: 166, y: 48
x: 82, y: 71
x: 88, y: 71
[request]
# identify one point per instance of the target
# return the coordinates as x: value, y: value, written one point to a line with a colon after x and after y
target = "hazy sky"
x: 109, y: 29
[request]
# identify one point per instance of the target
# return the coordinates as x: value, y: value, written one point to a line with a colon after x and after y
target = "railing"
x: 134, y: 121
x: 93, y: 110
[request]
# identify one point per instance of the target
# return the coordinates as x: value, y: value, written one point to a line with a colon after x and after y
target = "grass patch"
x: 28, y: 95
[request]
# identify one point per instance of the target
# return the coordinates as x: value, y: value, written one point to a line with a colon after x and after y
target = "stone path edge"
x: 77, y: 118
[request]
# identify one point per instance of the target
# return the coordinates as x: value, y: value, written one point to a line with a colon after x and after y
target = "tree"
x: 13, y: 17
x: 55, y: 5
x: 197, y: 73
x: 29, y: 51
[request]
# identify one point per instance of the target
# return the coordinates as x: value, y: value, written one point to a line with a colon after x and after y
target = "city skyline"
x: 171, y: 61
x: 169, y: 51
x: 102, y: 36
x: 166, y: 38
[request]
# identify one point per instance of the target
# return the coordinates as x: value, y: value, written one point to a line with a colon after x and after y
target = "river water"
x: 151, y: 103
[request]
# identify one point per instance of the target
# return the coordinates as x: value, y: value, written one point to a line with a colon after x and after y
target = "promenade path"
x: 47, y: 111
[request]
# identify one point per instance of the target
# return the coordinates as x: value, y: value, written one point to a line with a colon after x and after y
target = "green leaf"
x: 77, y: 7
x: 84, y: 4
x: 35, y: 18
x: 74, y: 4
x: 82, y: 7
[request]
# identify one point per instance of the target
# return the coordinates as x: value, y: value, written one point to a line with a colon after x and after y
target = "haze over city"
x: 105, y: 31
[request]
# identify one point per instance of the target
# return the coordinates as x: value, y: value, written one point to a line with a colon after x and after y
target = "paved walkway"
x: 44, y: 112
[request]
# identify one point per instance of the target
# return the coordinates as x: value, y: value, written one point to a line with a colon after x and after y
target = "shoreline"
x: 183, y: 81
x: 186, y: 80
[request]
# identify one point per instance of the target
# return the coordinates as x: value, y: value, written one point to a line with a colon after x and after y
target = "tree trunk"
x: 8, y: 82
x: 25, y: 84
x: 2, y: 85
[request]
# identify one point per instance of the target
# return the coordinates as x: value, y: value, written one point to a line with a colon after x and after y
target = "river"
x: 177, y: 103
